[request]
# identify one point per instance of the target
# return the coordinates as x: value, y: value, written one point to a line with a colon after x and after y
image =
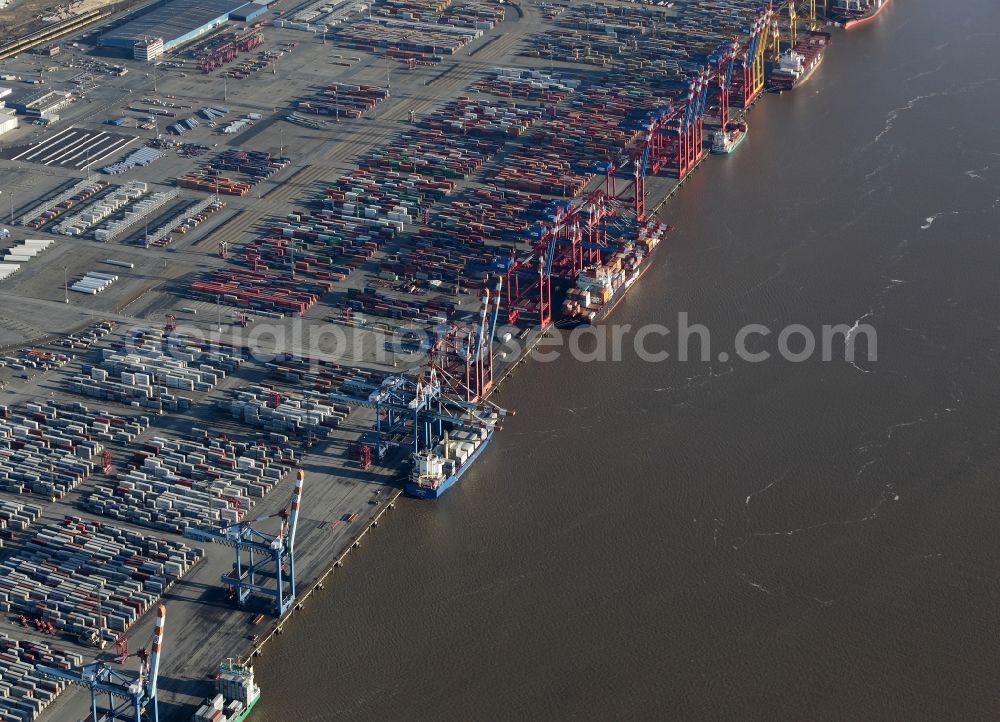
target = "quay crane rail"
x: 131, y: 695
x: 273, y: 552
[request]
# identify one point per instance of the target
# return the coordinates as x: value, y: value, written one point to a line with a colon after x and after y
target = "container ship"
x: 797, y: 64
x: 436, y: 470
x: 727, y: 140
x: 236, y: 694
x: 855, y: 12
x: 601, y: 286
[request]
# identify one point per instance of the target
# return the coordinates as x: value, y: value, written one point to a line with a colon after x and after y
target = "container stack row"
x: 383, y: 196
x: 178, y: 483
x: 49, y: 450
x: 35, y: 359
x: 462, y: 14
x: 85, y: 579
x: 404, y: 34
x: 562, y: 154
x: 426, y: 10
x: 454, y: 141
x: 459, y: 243
x: 321, y: 246
x: 83, y: 340
x: 478, y: 14
x: 297, y: 414
x: 559, y: 136
x: 308, y: 251
x: 24, y: 694
x: 371, y: 301
x: 214, y: 184
x: 319, y: 374
x: 254, y: 165
x: 152, y: 370
x: 191, y: 217
x: 16, y: 516
x: 535, y: 85
x: 259, y: 288
x: 578, y: 46
x: 343, y: 100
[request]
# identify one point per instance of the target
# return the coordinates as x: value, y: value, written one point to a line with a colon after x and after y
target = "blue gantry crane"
x: 130, y: 694
x: 268, y: 556
x: 412, y: 412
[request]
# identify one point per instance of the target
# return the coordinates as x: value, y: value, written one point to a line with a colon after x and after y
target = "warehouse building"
x: 8, y: 121
x: 41, y: 105
x: 248, y: 13
x: 175, y: 23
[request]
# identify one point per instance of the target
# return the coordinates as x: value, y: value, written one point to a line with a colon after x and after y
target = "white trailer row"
x: 19, y: 254
x: 94, y: 282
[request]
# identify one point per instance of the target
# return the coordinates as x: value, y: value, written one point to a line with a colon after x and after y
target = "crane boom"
x: 154, y: 659
x: 293, y: 520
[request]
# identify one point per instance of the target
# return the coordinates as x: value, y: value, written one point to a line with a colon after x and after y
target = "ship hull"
x: 782, y: 83
x: 574, y: 319
x: 246, y: 713
x: 812, y: 50
x: 862, y: 19
x: 619, y: 294
x: 420, y: 492
x: 732, y: 148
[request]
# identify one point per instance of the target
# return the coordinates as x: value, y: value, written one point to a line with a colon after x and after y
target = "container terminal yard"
x: 259, y: 255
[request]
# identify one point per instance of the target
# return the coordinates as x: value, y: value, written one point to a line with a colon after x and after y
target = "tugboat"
x: 725, y: 141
